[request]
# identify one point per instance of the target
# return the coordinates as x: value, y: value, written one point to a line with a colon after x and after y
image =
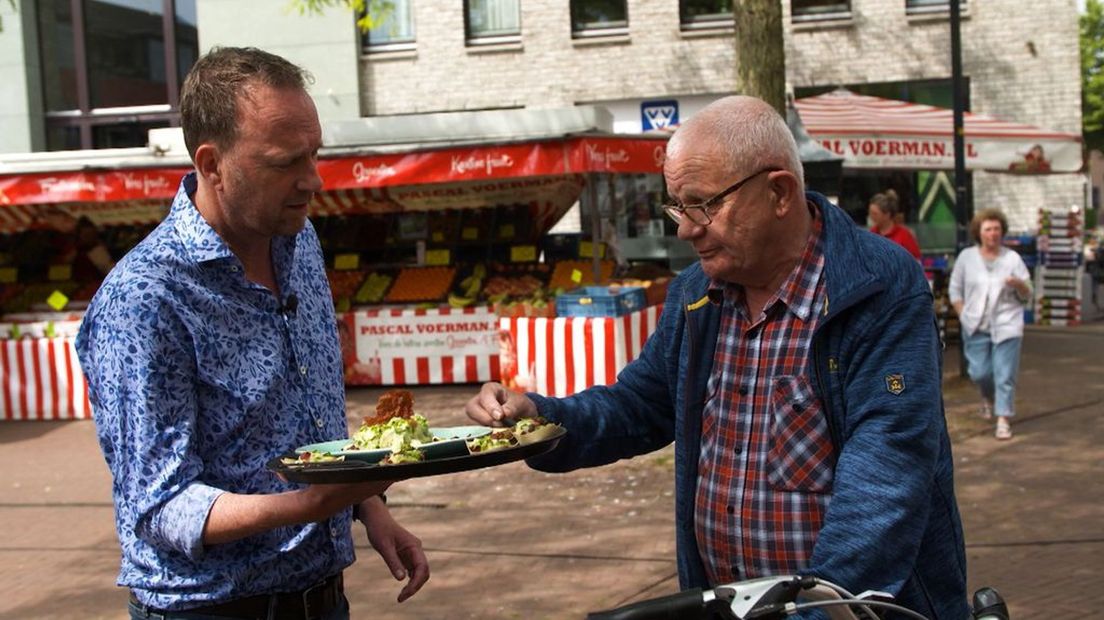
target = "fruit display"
x: 421, y: 284
x: 343, y: 284
x: 503, y: 287
x: 467, y: 290
x: 33, y: 296
x: 655, y: 291
x: 563, y: 275
x: 373, y: 288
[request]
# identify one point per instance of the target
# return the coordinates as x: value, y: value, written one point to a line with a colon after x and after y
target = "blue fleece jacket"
x: 893, y: 523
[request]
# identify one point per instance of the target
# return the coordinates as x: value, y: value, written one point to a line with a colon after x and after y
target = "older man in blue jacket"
x: 796, y: 367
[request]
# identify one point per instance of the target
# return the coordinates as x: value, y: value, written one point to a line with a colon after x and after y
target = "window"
x: 490, y: 21
x: 112, y: 69
x: 598, y: 17
x: 813, y: 10
x: 705, y: 13
x: 394, y: 27
x: 913, y: 7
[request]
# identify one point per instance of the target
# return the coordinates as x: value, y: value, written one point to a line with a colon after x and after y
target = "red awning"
x: 421, y: 179
x: 871, y: 132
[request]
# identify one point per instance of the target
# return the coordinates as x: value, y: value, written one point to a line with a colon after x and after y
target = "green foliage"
x: 370, y: 13
x: 12, y: 3
x: 1092, y: 74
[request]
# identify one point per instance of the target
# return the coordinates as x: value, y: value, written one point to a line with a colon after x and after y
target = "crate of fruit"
x: 600, y: 301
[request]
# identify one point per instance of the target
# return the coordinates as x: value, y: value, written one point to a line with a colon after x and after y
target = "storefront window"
x: 123, y: 134
x: 187, y: 39
x: 394, y: 28
x: 812, y: 10
x: 492, y: 19
x: 705, y: 13
x: 126, y: 52
x: 113, y: 68
x: 55, y: 31
x: 591, y: 17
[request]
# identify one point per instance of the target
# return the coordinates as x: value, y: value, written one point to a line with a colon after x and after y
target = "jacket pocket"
x: 801, y: 456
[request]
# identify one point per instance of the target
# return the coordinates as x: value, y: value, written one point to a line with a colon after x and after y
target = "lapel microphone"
x: 289, y: 306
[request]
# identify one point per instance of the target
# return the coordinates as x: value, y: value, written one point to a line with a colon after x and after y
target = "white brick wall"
x: 879, y: 44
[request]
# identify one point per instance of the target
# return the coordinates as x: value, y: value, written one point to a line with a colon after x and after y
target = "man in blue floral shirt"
x: 211, y: 348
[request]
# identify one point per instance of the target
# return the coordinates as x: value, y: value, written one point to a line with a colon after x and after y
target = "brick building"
x: 622, y: 54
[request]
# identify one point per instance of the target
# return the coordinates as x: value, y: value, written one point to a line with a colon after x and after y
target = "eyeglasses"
x: 700, y: 213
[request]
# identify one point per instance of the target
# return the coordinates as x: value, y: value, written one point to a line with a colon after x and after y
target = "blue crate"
x: 599, y: 301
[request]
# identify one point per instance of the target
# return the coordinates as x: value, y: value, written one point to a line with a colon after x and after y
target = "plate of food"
x: 442, y: 442
x: 414, y: 450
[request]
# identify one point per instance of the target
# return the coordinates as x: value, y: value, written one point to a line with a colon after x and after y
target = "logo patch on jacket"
x: 895, y: 384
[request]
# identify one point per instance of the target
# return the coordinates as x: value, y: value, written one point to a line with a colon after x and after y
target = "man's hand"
x: 495, y: 404
x: 400, y: 550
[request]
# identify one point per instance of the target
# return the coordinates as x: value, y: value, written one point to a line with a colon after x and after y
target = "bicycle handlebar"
x: 687, y: 604
x: 775, y: 598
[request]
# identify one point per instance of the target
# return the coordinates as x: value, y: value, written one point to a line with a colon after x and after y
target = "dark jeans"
x: 341, y: 612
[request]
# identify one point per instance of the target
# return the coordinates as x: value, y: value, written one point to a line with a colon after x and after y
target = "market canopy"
x: 875, y: 133
x: 472, y: 162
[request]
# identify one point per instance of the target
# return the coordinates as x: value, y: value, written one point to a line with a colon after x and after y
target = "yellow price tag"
x: 576, y: 276
x: 57, y: 300
x: 347, y: 262
x: 586, y: 250
x: 438, y: 236
x: 523, y: 253
x: 60, y: 273
x: 437, y: 257
x: 470, y: 233
x: 8, y: 275
x: 506, y: 231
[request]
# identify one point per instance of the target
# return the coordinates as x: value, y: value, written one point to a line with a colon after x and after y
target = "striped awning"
x: 872, y: 132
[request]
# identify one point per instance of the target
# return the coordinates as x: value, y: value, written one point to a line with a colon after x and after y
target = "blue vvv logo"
x: 658, y: 114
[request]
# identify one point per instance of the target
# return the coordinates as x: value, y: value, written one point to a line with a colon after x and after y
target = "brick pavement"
x: 557, y: 546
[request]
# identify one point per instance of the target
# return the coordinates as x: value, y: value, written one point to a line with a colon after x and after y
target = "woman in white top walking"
x: 989, y: 287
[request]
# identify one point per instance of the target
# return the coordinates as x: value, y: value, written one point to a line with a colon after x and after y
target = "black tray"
x: 346, y: 471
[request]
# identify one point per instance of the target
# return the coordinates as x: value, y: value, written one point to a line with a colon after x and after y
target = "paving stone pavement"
x: 508, y: 542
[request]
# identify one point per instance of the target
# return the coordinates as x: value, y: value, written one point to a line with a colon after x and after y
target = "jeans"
x: 993, y: 367
x: 341, y: 612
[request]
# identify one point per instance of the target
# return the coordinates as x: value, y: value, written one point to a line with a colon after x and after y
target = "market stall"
x: 468, y: 225
x: 428, y: 246
x: 875, y: 134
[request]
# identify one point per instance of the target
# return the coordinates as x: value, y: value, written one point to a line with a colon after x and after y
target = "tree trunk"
x: 760, y: 53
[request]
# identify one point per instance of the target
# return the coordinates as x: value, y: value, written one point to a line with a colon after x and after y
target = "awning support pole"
x: 961, y: 208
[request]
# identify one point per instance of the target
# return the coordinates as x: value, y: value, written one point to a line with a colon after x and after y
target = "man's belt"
x: 309, y: 604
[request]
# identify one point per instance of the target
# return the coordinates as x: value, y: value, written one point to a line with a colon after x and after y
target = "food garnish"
x: 498, y: 440
x: 312, y: 457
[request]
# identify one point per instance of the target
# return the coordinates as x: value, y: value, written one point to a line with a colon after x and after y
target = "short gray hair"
x: 751, y: 135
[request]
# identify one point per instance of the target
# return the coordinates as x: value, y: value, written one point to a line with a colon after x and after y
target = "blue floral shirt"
x: 197, y: 378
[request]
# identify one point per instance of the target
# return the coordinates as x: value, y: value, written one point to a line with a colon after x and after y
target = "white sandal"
x: 1004, y: 429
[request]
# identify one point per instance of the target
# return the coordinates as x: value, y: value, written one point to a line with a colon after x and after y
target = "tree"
x: 760, y: 54
x: 1092, y: 74
x: 12, y: 3
x: 370, y: 13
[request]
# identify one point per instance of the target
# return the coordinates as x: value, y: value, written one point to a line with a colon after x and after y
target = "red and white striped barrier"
x: 41, y: 379
x: 407, y: 346
x: 564, y: 355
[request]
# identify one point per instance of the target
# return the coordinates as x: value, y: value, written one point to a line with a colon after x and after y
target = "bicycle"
x: 771, y: 598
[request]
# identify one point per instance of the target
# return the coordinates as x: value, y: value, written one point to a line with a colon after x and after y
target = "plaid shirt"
x: 765, y: 471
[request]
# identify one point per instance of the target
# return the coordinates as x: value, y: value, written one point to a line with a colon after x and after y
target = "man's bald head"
x: 745, y: 134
